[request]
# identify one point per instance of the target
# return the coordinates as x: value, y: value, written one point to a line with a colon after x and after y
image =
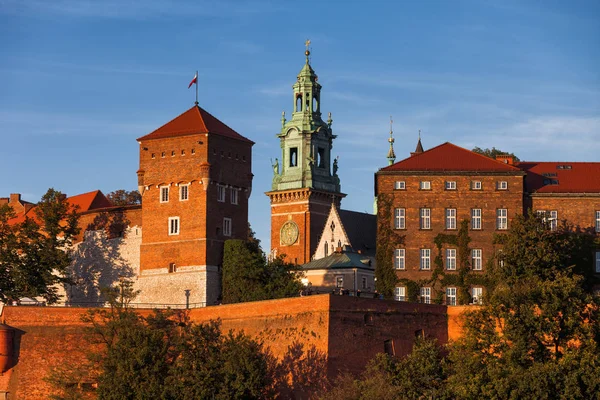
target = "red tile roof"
x: 194, y: 121
x: 561, y: 177
x: 449, y: 157
x: 85, y: 202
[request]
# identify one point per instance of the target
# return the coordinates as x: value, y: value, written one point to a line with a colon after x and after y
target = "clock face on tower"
x: 289, y: 233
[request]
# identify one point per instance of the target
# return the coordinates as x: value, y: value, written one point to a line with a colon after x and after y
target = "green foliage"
x: 416, y: 376
x: 249, y: 276
x: 493, y: 152
x: 124, y: 197
x: 387, y: 240
x: 537, y: 336
x: 166, y: 356
x: 34, y: 257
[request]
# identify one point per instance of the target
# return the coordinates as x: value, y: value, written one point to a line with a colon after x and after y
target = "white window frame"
x: 451, y: 259
x: 164, y: 194
x: 476, y: 219
x: 174, y: 226
x: 598, y: 261
x: 399, y: 259
x: 425, y: 260
x: 399, y: 218
x: 502, y: 219
x: 476, y: 185
x: 400, y: 293
x: 400, y: 185
x: 597, y: 221
x: 450, y: 185
x: 220, y: 193
x: 425, y: 219
x: 553, y: 220
x: 502, y: 185
x: 227, y: 228
x: 425, y: 185
x: 450, y: 296
x: 451, y: 218
x: 477, y: 295
x: 426, y: 295
x: 476, y: 259
x: 184, y: 189
x: 339, y: 281
x: 233, y: 195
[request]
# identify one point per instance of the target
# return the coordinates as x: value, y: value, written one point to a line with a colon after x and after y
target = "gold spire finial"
x: 307, y: 52
x: 391, y: 139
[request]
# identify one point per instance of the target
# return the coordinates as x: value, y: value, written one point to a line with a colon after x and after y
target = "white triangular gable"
x: 331, y: 238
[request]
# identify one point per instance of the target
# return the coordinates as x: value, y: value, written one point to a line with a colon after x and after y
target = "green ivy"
x: 387, y: 240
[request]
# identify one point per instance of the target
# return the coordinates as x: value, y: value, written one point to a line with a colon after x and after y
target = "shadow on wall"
x: 98, y: 261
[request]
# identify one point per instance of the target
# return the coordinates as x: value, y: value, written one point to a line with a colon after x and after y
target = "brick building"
x: 424, y: 199
x: 195, y: 178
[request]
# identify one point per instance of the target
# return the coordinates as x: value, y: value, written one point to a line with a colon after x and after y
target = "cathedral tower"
x: 305, y: 181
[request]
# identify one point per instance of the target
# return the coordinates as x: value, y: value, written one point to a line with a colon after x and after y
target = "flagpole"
x: 196, y: 87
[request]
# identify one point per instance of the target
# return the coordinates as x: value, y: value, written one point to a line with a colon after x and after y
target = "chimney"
x: 505, y: 158
x: 15, y: 198
x: 338, y: 250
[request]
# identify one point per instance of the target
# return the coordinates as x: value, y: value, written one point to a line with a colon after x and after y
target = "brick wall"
x: 438, y: 199
x: 349, y: 330
x: 578, y: 210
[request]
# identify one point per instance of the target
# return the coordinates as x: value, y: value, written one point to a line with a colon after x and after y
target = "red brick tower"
x: 304, y: 183
x: 195, y: 178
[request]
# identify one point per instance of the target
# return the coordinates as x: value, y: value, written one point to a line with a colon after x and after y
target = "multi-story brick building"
x: 425, y: 198
x: 431, y: 193
x: 195, y: 179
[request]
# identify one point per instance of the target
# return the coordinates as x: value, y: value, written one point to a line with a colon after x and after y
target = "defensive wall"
x: 348, y: 330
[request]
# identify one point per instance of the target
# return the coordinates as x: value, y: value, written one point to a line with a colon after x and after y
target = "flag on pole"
x: 195, y: 80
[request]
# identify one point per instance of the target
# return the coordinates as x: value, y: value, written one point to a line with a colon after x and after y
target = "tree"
x: 493, y: 152
x: 35, y: 256
x: 249, y: 276
x: 166, y: 356
x: 539, y: 323
x: 419, y: 375
x: 388, y: 240
x: 124, y: 198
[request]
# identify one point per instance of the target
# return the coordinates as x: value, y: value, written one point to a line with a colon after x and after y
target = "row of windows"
x: 173, y: 153
x: 425, y: 259
x: 451, y: 185
x: 193, y: 152
x: 339, y: 282
x: 184, y: 193
x: 425, y: 295
x: 175, y: 226
x: 450, y: 218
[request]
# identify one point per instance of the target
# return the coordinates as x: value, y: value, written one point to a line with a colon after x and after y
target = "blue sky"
x: 80, y: 80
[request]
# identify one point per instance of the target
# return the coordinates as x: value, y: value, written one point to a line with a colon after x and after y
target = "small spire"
x: 419, y: 148
x: 391, y: 155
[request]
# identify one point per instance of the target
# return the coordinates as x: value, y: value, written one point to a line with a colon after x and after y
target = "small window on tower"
x: 153, y: 156
x: 173, y: 153
x: 321, y: 163
x: 293, y: 157
x: 162, y: 154
x: 183, y: 152
x: 193, y: 151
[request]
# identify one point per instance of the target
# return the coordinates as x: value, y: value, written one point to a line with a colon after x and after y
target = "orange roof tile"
x: 85, y: 201
x: 194, y: 121
x: 449, y: 157
x: 561, y: 177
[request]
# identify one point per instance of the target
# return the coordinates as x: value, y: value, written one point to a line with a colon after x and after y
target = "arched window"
x: 339, y: 243
x: 298, y: 103
x: 326, y: 249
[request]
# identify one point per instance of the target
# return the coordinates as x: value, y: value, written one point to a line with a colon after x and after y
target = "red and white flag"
x: 195, y: 80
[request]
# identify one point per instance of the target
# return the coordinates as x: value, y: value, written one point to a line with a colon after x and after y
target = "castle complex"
x: 195, y: 179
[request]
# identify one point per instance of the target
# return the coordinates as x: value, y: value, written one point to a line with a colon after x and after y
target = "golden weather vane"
x: 307, y: 43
